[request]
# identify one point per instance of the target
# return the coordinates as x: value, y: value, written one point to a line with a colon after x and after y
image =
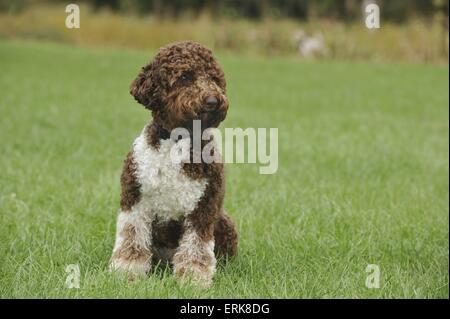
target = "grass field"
x: 362, y: 179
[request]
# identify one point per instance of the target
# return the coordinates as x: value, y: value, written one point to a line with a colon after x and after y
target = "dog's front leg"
x: 132, y: 251
x: 194, y: 260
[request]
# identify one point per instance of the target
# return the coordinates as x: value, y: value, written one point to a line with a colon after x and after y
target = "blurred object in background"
x: 310, y: 46
x: 411, y: 30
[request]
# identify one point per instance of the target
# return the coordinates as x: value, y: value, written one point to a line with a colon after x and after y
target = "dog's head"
x: 182, y: 83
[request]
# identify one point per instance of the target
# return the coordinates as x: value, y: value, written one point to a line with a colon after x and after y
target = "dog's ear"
x: 142, y: 87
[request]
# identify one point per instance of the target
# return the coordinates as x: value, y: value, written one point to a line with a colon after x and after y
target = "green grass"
x: 362, y: 179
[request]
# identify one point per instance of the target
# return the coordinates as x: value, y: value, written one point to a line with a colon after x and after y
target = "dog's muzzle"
x: 213, y: 111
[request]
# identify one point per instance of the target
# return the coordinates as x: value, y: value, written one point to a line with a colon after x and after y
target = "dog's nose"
x: 211, y: 101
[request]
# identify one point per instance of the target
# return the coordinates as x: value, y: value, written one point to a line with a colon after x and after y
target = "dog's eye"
x: 186, y: 78
x: 218, y: 81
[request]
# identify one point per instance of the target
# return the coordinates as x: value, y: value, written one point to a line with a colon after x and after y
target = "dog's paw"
x: 133, y: 268
x: 195, y: 273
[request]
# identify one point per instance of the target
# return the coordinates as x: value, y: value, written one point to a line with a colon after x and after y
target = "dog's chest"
x: 165, y: 190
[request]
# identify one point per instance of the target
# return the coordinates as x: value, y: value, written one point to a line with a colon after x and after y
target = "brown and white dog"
x: 172, y: 211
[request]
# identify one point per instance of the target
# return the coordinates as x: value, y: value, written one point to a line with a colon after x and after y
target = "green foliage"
x: 348, y: 10
x: 13, y: 6
x: 417, y: 40
x: 363, y: 176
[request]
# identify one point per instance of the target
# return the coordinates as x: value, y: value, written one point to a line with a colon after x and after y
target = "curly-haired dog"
x: 173, y: 211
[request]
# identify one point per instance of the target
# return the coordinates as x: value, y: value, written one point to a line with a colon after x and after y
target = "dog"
x: 170, y: 211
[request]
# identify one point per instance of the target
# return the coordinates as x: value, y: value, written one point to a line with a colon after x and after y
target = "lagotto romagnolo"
x: 173, y: 211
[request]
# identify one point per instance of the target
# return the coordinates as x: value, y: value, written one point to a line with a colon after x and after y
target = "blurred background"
x: 411, y: 30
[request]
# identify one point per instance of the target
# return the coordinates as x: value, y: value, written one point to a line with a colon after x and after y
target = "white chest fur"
x: 165, y: 190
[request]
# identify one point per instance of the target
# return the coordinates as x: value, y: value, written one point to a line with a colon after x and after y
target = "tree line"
x: 344, y: 10
x: 347, y: 10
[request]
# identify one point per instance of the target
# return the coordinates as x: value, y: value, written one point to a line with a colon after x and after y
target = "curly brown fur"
x: 181, y: 84
x: 225, y: 236
x: 130, y: 186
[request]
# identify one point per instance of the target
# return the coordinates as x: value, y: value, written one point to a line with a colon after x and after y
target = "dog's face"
x: 181, y: 84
